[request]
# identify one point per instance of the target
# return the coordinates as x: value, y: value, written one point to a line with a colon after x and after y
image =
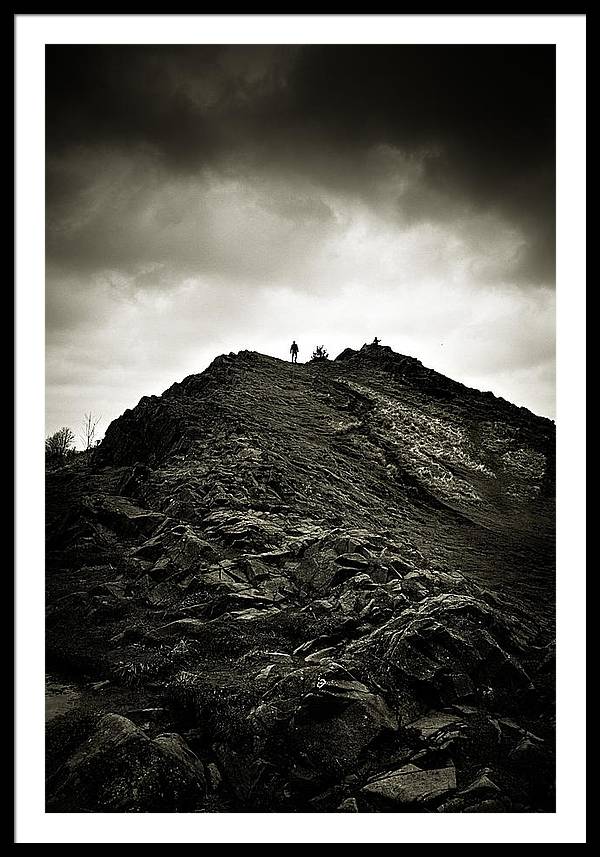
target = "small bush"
x: 320, y: 353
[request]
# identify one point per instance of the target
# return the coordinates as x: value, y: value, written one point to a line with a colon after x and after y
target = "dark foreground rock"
x: 330, y: 586
x: 120, y: 769
x: 410, y: 785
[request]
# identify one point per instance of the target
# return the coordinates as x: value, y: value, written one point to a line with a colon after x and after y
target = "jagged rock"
x: 336, y: 723
x: 116, y: 589
x: 482, y: 784
x: 527, y: 754
x: 122, y: 516
x: 264, y: 674
x: 243, y: 530
x: 414, y: 590
x: 134, y: 481
x: 177, y: 549
x: 315, y: 572
x: 430, y: 724
x: 513, y: 730
x: 410, y: 784
x: 164, y: 594
x: 174, y: 745
x: 349, y: 603
x: 446, y: 635
x: 238, y: 603
x: 120, y: 769
x: 321, y: 606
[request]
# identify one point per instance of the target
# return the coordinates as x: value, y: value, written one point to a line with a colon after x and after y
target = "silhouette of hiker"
x: 376, y: 341
x: 294, y: 352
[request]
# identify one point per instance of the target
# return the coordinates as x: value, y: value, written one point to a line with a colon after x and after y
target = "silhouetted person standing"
x: 294, y: 351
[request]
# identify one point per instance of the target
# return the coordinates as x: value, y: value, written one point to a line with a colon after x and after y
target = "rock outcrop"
x: 334, y: 581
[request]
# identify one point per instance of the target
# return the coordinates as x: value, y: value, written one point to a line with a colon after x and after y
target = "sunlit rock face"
x: 325, y: 585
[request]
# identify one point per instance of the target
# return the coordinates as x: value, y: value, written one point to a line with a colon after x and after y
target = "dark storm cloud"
x: 183, y: 101
x: 486, y: 114
x: 480, y: 119
x: 203, y: 199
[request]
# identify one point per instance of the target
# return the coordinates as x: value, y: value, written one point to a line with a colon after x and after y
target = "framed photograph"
x: 287, y: 317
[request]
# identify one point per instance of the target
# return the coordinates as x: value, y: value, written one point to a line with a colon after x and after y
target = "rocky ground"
x: 323, y: 587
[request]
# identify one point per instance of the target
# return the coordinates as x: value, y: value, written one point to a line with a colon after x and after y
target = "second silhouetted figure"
x: 294, y: 351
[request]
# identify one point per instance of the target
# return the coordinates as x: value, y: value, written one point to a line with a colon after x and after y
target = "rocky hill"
x: 316, y: 587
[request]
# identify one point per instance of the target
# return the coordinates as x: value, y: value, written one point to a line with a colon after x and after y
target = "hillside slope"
x: 334, y: 579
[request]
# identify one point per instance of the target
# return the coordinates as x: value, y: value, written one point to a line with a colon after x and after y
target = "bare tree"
x: 59, y: 444
x: 88, y: 435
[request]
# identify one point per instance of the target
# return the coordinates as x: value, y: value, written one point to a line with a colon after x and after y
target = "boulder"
x: 337, y: 722
x: 120, y: 769
x: 410, y: 784
x: 453, y: 645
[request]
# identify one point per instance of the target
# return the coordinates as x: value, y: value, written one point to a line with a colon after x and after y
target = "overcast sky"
x: 205, y: 199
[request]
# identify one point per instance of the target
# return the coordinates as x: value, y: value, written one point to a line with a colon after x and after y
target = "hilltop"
x: 312, y: 587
